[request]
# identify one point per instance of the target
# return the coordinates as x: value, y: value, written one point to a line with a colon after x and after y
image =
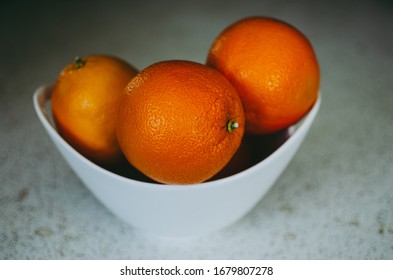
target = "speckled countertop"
x: 335, y: 199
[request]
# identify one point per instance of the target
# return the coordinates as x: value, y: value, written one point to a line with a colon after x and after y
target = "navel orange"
x: 84, y: 104
x: 179, y: 122
x: 274, y: 68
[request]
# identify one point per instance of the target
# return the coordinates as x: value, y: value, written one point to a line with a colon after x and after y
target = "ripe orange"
x: 84, y: 105
x: 179, y: 122
x: 253, y: 149
x: 274, y: 68
x: 240, y: 161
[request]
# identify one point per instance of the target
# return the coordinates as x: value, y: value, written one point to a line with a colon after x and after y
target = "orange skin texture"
x: 172, y: 122
x: 274, y: 68
x: 84, y: 106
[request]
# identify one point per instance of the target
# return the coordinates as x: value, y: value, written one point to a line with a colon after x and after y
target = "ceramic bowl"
x: 172, y: 210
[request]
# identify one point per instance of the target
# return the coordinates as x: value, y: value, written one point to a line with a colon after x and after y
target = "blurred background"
x: 335, y: 199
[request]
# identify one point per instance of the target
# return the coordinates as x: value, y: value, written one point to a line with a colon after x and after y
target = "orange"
x: 240, y: 161
x: 274, y: 68
x: 253, y: 149
x: 84, y: 104
x: 179, y: 122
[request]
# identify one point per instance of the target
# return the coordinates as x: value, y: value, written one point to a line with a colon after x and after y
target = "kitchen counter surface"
x: 334, y: 200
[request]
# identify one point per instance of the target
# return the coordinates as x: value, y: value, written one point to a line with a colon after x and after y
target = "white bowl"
x: 171, y: 210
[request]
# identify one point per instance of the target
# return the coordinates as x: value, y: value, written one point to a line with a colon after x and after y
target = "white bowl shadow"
x: 173, y: 210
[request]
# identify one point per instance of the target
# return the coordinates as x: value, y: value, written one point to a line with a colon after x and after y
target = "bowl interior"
x: 42, y: 105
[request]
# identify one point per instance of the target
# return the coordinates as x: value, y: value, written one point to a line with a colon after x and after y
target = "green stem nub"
x: 232, y: 125
x: 79, y: 62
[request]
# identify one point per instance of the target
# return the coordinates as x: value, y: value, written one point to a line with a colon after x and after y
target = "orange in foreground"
x: 84, y: 104
x: 180, y: 122
x: 274, y: 68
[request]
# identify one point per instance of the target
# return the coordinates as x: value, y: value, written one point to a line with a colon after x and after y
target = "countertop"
x: 334, y: 200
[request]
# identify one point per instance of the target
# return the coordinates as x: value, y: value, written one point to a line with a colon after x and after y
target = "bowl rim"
x: 41, y: 99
